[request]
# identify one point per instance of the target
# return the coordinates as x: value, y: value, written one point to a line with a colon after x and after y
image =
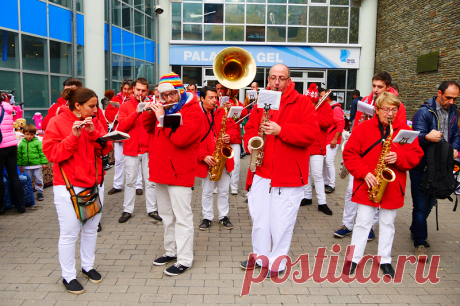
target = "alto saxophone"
x: 383, y: 174
x: 256, y: 143
x: 221, y: 153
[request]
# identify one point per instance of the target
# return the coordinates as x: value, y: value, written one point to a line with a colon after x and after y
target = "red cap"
x: 312, y: 92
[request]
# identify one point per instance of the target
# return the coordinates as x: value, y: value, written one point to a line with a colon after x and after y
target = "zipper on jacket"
x: 400, y: 187
x: 170, y: 160
x: 301, y: 177
x: 357, y: 189
x: 28, y: 160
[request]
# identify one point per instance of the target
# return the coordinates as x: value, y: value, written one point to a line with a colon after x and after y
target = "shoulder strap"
x: 371, y: 147
x: 430, y: 159
x: 67, y: 183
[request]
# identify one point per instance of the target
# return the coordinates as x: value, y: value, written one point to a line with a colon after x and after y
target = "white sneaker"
x: 215, y: 190
x: 234, y: 191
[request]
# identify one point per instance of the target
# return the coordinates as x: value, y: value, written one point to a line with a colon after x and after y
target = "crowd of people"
x: 176, y: 135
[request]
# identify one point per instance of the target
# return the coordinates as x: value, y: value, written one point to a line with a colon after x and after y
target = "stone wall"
x: 407, y: 29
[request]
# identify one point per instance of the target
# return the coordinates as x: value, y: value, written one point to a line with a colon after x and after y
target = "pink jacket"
x: 9, y: 138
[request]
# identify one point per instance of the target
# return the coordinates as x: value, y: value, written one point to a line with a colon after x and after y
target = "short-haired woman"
x: 71, y: 143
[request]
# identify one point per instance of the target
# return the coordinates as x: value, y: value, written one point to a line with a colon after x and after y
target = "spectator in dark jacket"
x: 354, y: 104
x: 437, y: 118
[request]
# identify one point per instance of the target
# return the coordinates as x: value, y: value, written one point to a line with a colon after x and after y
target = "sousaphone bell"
x: 234, y: 67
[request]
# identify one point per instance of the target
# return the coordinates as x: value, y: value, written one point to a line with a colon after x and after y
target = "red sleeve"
x: 57, y: 147
x: 149, y: 122
x: 233, y: 131
x: 51, y: 113
x: 126, y: 120
x: 110, y: 112
x: 251, y: 128
x: 325, y: 116
x: 190, y: 130
x: 339, y: 120
x: 352, y: 155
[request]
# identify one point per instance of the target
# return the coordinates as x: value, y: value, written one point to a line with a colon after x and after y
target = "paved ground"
x: 30, y: 272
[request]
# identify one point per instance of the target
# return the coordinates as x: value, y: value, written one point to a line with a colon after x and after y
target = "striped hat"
x: 169, y: 79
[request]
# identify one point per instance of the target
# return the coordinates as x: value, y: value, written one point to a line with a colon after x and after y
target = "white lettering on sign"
x: 196, y: 56
x: 203, y: 58
x: 261, y: 58
x: 212, y: 56
x: 270, y: 57
x: 278, y: 60
x: 187, y: 55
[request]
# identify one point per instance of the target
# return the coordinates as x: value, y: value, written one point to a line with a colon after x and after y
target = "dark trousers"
x: 8, y: 160
x: 422, y: 206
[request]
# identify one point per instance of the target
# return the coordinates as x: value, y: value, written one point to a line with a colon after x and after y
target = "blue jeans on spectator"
x: 420, y: 201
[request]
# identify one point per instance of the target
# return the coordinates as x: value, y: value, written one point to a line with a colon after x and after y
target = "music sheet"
x: 269, y: 97
x: 365, y: 108
x: 405, y: 136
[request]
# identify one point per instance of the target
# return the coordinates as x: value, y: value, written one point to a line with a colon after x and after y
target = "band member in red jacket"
x: 213, y: 118
x: 173, y: 158
x: 78, y: 152
x: 111, y: 113
x: 277, y: 185
x: 135, y: 151
x: 317, y: 152
x: 361, y: 157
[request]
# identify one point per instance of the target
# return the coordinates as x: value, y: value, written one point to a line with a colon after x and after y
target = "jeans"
x: 8, y: 160
x: 420, y: 202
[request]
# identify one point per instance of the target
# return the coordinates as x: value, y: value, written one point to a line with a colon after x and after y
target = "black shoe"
x: 113, y: 191
x: 139, y: 192
x: 124, y: 217
x: 244, y: 265
x: 387, y: 269
x: 175, y: 269
x: 2, y: 210
x: 205, y: 224
x: 325, y: 210
x: 154, y: 215
x: 225, y: 221
x: 73, y: 286
x: 163, y: 260
x: 40, y: 197
x: 93, y: 276
x: 21, y: 209
x: 349, y: 268
x: 329, y: 189
x: 306, y: 202
x: 99, y: 227
x: 271, y: 274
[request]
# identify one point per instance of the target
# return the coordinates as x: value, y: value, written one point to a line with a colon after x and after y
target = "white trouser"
x: 38, y: 174
x: 329, y: 167
x: 363, y: 225
x: 273, y: 214
x: 119, y: 168
x: 349, y: 211
x: 222, y: 196
x: 69, y: 228
x: 235, y: 175
x: 131, y: 173
x: 174, y: 206
x: 316, y: 170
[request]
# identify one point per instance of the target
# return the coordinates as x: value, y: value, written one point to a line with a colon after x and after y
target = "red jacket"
x: 209, y: 143
x: 74, y: 154
x: 111, y: 111
x: 324, y: 115
x: 360, y: 141
x: 338, y: 123
x: 286, y: 160
x: 173, y: 155
x: 52, y: 112
x: 129, y: 121
x: 237, y: 139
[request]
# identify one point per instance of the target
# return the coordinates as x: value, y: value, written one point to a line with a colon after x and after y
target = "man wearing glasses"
x: 276, y: 187
x: 437, y: 118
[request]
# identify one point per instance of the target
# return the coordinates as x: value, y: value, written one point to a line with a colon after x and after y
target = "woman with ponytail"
x: 71, y: 143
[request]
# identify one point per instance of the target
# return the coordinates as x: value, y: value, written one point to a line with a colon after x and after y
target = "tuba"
x: 383, y: 174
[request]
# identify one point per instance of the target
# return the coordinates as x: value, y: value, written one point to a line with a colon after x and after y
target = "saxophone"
x: 383, y: 174
x: 256, y: 143
x: 221, y: 153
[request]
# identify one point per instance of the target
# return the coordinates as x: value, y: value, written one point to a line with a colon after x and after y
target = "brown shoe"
x: 420, y: 250
x: 113, y: 191
x: 154, y: 215
x: 124, y: 217
x: 139, y: 192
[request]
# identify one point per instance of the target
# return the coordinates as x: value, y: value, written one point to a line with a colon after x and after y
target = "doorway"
x: 303, y: 79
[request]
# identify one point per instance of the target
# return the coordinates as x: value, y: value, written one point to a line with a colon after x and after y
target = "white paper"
x: 340, y: 97
x: 161, y: 119
x: 224, y: 100
x: 141, y: 106
x: 252, y: 94
x: 235, y: 111
x: 269, y: 97
x: 406, y: 136
x: 115, y: 104
x: 365, y: 108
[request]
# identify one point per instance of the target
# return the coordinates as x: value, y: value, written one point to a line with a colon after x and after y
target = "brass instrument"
x: 320, y: 102
x: 364, y: 116
x: 234, y: 67
x: 383, y: 174
x: 256, y: 143
x: 260, y: 153
x: 221, y: 153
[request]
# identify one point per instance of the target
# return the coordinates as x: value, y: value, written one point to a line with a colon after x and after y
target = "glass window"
x: 213, y: 13
x: 276, y: 14
x: 139, y: 70
x: 34, y: 53
x: 338, y: 17
x: 234, y: 13
x: 81, y: 61
x: 11, y: 81
x: 116, y: 86
x: 116, y: 13
x: 318, y: 15
x: 128, y: 1
x: 336, y: 79
x: 296, y: 34
x: 139, y: 23
x: 79, y: 6
x: 56, y: 87
x: 318, y: 1
x: 255, y: 13
x: 149, y: 28
x: 193, y: 75
x: 192, y: 32
x: 276, y: 34
x: 60, y: 57
x: 256, y: 1
x: 230, y: 0
x: 260, y: 77
x: 338, y: 36
x: 177, y: 70
x: 298, y: 15
x: 213, y: 32
x: 351, y: 79
x: 117, y: 67
x: 354, y: 25
x: 128, y: 66
x: 106, y: 8
x: 150, y: 72
x: 255, y: 33
x: 139, y: 4
x: 106, y: 58
x: 149, y: 7
x: 35, y: 90
x: 65, y: 3
x: 193, y: 12
x: 234, y: 33
x: 317, y: 35
x: 10, y: 59
x: 176, y: 23
x: 126, y: 17
x: 277, y: 1
x: 339, y: 2
x: 298, y: 1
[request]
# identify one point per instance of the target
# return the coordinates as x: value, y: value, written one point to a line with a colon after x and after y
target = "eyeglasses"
x: 387, y: 110
x: 281, y: 79
x: 170, y: 95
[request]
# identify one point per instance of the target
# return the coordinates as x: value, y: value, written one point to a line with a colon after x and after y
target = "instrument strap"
x: 211, y: 123
x: 383, y: 135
